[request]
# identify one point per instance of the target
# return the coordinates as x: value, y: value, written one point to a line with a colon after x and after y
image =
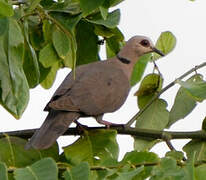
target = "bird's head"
x: 141, y: 45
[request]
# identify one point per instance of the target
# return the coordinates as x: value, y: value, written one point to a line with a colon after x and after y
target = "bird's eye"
x: 145, y: 43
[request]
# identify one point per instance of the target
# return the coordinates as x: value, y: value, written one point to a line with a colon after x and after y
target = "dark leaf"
x: 89, y: 6
x: 86, y: 52
x: 114, y: 44
x: 111, y: 21
x: 30, y: 60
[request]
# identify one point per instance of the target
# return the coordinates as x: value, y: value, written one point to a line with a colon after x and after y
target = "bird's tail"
x: 55, y: 124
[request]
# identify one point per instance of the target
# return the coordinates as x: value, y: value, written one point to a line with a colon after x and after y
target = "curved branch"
x: 130, y: 122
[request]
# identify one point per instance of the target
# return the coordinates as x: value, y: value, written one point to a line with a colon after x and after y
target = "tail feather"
x: 55, y: 124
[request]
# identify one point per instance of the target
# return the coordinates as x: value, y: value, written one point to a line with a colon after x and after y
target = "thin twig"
x: 130, y: 122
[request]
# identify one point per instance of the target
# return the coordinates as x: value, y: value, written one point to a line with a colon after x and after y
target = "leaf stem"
x: 131, y: 121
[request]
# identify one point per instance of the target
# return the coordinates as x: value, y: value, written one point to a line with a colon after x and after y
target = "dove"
x: 98, y: 88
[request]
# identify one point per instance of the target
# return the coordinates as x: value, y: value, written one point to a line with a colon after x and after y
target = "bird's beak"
x: 154, y: 49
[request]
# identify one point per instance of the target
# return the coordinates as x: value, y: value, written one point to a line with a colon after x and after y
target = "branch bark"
x: 142, y: 133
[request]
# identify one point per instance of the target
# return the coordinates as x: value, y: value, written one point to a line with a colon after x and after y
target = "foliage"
x: 37, y: 38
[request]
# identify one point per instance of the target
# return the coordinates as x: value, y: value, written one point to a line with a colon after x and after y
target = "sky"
x: 186, y: 20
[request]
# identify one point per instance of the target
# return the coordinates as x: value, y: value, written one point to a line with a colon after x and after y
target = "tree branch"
x: 130, y: 122
x: 142, y: 133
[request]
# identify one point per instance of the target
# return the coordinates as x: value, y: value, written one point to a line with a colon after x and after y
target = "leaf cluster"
x: 37, y: 38
x: 98, y: 159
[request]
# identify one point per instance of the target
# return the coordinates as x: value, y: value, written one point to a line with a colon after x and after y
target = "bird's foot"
x: 106, y: 123
x: 109, y: 124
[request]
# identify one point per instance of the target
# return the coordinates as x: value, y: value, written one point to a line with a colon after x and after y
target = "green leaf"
x: 96, y: 147
x: 30, y: 60
x: 70, y: 7
x: 136, y: 157
x: 111, y: 21
x: 189, y: 169
x: 61, y: 43
x: 13, y: 153
x: 104, y: 31
x: 114, y: 2
x: 81, y: 171
x: 68, y: 23
x: 139, y: 68
x: 47, y: 29
x: 48, y: 56
x: 150, y: 85
x: 197, y: 146
x: 33, y: 5
x: 165, y: 43
x: 155, y: 117
x: 114, y: 44
x: 4, y: 25
x: 50, y: 77
x: 200, y: 172
x: 178, y: 155
x: 183, y: 105
x: 196, y: 88
x: 14, y: 86
x: 45, y: 169
x: 6, y: 9
x: 89, y: 6
x: 3, y: 171
x: 104, y: 12
x: 129, y: 175
x: 167, y: 170
x: 131, y: 160
x: 36, y: 36
x: 86, y: 52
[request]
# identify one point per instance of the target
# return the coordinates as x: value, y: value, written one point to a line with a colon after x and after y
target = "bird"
x: 98, y: 88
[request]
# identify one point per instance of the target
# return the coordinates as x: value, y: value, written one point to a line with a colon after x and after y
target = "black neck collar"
x: 123, y: 60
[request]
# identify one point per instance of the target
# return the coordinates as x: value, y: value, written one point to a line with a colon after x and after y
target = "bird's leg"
x: 106, y: 123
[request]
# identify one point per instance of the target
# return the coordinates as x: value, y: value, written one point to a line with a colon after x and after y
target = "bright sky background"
x: 186, y: 20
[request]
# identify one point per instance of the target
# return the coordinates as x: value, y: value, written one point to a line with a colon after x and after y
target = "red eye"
x: 145, y: 43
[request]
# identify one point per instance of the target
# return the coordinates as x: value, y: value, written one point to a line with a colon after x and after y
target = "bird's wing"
x: 98, y: 88
x: 62, y: 90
